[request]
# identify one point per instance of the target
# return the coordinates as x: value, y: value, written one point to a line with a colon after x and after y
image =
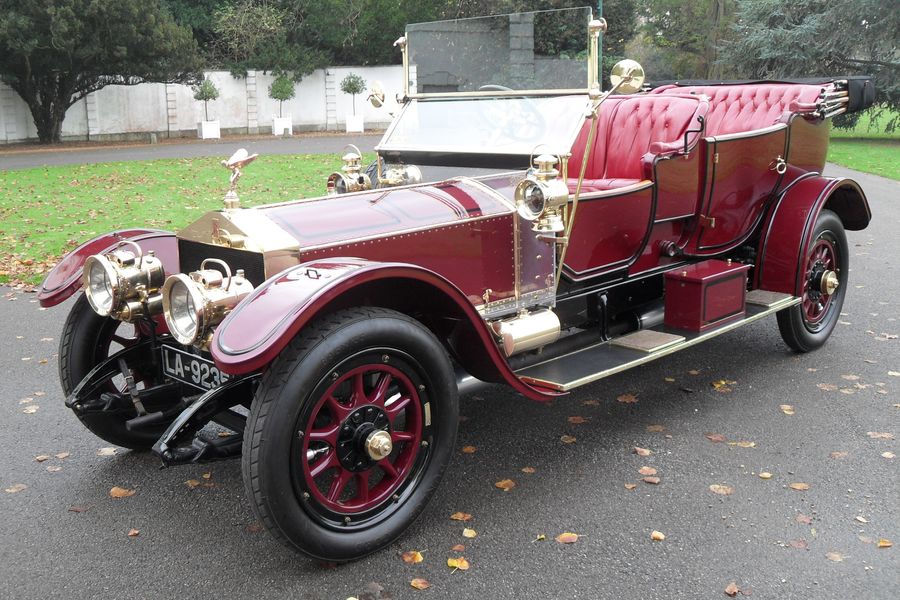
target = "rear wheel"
x: 87, y: 340
x: 350, y: 432
x: 807, y: 326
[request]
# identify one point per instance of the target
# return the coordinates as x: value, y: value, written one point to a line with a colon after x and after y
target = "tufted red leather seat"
x: 630, y: 127
x: 739, y: 108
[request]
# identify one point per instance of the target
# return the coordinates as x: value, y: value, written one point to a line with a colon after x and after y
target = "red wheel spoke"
x: 362, y: 487
x: 338, y: 410
x: 325, y: 463
x: 397, y: 407
x: 359, y: 391
x: 325, y: 435
x: 340, y: 481
x: 388, y: 468
x: 403, y: 436
x: 379, y: 395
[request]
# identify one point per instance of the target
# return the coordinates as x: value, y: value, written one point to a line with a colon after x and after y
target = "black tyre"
x: 806, y: 326
x: 349, y: 433
x: 88, y: 339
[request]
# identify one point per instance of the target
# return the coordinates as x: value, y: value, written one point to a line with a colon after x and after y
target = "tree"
x: 55, y: 52
x: 353, y: 84
x: 206, y: 91
x: 282, y: 89
x: 777, y: 39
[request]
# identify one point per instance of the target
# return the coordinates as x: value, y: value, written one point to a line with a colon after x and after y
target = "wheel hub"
x: 829, y: 282
x: 364, y: 438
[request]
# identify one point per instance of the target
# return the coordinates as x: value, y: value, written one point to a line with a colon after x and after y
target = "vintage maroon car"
x: 331, y: 336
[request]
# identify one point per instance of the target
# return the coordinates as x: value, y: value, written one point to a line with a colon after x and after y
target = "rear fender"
x: 789, y: 225
x: 65, y: 278
x: 260, y: 327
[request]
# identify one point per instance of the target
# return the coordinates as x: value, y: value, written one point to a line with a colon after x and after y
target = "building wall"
x: 134, y: 112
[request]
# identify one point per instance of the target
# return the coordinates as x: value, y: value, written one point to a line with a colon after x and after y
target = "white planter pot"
x: 208, y: 130
x: 355, y: 124
x: 282, y: 125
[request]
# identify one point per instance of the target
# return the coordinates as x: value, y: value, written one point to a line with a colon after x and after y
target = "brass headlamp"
x: 542, y: 194
x: 123, y: 283
x: 193, y: 304
x: 350, y: 178
x: 395, y: 175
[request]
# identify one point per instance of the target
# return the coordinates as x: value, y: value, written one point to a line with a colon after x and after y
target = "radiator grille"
x: 191, y: 254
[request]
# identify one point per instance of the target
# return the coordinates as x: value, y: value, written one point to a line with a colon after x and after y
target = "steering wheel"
x: 520, y: 121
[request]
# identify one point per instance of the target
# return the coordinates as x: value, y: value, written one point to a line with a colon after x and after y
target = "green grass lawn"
x: 881, y: 157
x: 46, y: 211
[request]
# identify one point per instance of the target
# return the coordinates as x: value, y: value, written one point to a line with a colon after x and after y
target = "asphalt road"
x: 768, y: 538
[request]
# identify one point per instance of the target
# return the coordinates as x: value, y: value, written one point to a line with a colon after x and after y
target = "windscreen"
x: 540, y: 50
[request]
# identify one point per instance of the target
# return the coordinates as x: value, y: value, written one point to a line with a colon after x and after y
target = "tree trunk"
x: 47, y: 104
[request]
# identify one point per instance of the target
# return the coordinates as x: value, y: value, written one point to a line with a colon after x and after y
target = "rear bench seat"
x: 631, y: 131
x: 748, y: 107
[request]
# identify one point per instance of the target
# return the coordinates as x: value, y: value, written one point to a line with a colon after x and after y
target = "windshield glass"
x: 539, y: 50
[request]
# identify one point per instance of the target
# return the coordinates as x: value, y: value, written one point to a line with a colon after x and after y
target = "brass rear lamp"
x: 194, y: 304
x: 121, y: 283
x: 542, y: 194
x: 350, y: 178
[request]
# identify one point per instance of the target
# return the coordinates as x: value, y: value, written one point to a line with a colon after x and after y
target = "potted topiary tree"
x: 282, y: 89
x: 206, y: 91
x: 354, y: 84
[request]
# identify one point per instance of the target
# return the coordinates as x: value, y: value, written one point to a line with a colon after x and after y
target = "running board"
x: 587, y: 365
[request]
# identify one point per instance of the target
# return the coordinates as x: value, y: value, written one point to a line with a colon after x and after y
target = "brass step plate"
x: 766, y: 298
x: 587, y: 365
x: 648, y: 340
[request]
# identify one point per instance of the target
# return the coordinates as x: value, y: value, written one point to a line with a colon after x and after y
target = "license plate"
x: 191, y: 369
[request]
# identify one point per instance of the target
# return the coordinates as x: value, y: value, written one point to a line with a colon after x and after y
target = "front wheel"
x: 807, y: 326
x: 350, y: 432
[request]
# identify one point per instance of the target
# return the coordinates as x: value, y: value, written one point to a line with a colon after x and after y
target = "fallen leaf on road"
x: 458, y: 548
x: 657, y: 536
x: 627, y: 399
x: 567, y: 538
x: 642, y: 451
x: 118, y: 492
x: 655, y: 428
x: 540, y: 538
x: 715, y: 437
x: 801, y: 518
x: 798, y: 544
x: 630, y: 486
x: 722, y: 490
x: 192, y: 483
x: 78, y: 509
x: 670, y: 379
x: 576, y: 420
x: 850, y: 377
x: 63, y: 455
x: 834, y: 556
x: 787, y: 409
x: 469, y: 449
x: 732, y: 589
x: 743, y: 444
x: 839, y: 455
x: 827, y: 387
x: 884, y: 543
x: 41, y: 457
x: 412, y: 557
x: 106, y: 451
x: 206, y: 476
x: 469, y: 533
x: 894, y: 373
x: 528, y: 470
x: 15, y: 489
x: 647, y: 471
x: 30, y: 410
x: 567, y: 439
x: 133, y: 532
x: 460, y: 516
x: 505, y: 484
x: 591, y: 403
x: 651, y: 480
x: 765, y: 475
x: 799, y: 486
x: 693, y: 372
x: 420, y: 584
x: 861, y: 519
x: 879, y: 435
x: 458, y: 563
x: 53, y: 469
x: 887, y: 455
x: 723, y: 385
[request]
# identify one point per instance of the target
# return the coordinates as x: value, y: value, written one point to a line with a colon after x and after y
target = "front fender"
x: 789, y: 224
x: 260, y: 327
x: 65, y: 278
